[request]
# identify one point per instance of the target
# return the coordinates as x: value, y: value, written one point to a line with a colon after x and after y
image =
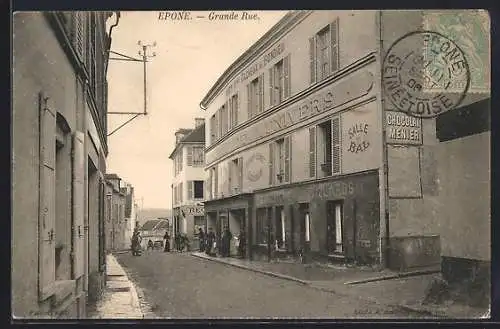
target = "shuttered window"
x: 287, y: 159
x: 249, y: 101
x: 216, y: 182
x: 213, y: 129
x: 261, y: 93
x: 312, y: 152
x: 47, y: 200
x: 324, y: 52
x: 189, y: 156
x: 272, y: 93
x: 336, y: 145
x: 190, y: 190
x: 78, y: 203
x: 279, y: 81
x: 240, y: 174
x: 287, y: 77
x: 271, y: 163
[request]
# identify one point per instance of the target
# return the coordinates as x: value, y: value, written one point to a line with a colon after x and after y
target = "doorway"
x: 280, y: 227
x: 334, y: 228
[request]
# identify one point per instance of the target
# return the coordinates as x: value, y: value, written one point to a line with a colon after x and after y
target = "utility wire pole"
x: 145, y: 56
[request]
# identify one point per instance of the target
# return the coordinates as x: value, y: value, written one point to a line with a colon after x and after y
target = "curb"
x: 268, y: 273
x: 393, y: 276
x: 134, y: 298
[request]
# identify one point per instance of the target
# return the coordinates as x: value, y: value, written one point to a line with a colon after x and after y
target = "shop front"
x: 232, y: 213
x: 332, y: 219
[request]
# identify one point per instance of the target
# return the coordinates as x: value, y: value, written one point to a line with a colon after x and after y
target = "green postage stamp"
x: 470, y: 31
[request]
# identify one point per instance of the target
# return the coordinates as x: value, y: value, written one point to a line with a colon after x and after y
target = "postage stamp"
x: 469, y: 30
x: 425, y: 74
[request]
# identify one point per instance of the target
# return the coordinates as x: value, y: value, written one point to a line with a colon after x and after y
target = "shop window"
x: 280, y: 228
x: 334, y: 227
x: 261, y: 226
x: 324, y: 52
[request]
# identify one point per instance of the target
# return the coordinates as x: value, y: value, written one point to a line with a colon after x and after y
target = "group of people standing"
x: 208, y: 242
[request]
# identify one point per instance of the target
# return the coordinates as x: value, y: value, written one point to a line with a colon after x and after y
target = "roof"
x: 154, y: 225
x: 256, y: 49
x: 183, y: 131
x: 197, y: 135
x: 112, y: 176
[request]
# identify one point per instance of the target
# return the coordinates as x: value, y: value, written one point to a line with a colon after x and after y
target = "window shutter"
x: 271, y: 86
x: 181, y: 159
x: 271, y: 163
x: 80, y: 34
x: 240, y: 174
x: 312, y: 152
x: 288, y: 153
x: 78, y: 203
x: 189, y: 156
x: 216, y: 181
x: 334, y: 45
x: 336, y: 149
x: 190, y: 195
x: 181, y: 192
x: 238, y: 107
x: 249, y: 101
x: 47, y: 199
x: 209, y: 185
x: 286, y: 73
x: 261, y: 92
x: 226, y: 117
x: 230, y: 165
x: 231, y: 113
x: 312, y: 59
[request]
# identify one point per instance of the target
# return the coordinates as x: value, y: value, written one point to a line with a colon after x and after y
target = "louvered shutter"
x: 261, y: 92
x: 190, y: 194
x: 336, y: 146
x: 230, y: 177
x: 271, y: 163
x: 286, y: 73
x: 271, y: 87
x: 181, y: 159
x: 334, y: 45
x: 226, y: 118
x: 240, y: 174
x: 238, y: 107
x: 181, y: 192
x: 312, y: 59
x: 249, y: 101
x: 231, y: 113
x: 210, y: 177
x: 47, y: 199
x: 216, y: 182
x: 312, y: 152
x: 288, y: 152
x: 78, y: 203
x: 189, y: 156
x: 80, y: 34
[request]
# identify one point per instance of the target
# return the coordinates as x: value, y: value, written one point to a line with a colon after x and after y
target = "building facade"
x: 306, y: 153
x: 188, y: 182
x: 117, y: 224
x: 59, y: 149
x: 154, y: 230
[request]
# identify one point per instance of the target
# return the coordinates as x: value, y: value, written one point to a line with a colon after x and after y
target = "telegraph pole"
x: 145, y: 56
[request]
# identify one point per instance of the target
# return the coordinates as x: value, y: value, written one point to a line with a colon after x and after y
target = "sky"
x: 189, y: 57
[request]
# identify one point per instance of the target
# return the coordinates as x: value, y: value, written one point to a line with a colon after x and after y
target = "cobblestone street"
x: 181, y: 286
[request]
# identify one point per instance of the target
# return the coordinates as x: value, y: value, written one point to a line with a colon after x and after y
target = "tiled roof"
x: 163, y: 224
x: 197, y: 135
x: 149, y: 225
x: 112, y: 176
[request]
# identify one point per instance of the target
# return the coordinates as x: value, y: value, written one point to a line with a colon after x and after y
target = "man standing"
x: 210, y: 242
x: 201, y: 237
x: 166, y: 237
x: 226, y: 242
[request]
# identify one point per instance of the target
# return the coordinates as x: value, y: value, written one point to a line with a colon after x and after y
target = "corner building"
x: 304, y: 154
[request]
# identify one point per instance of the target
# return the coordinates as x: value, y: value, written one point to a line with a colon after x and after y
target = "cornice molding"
x: 276, y: 32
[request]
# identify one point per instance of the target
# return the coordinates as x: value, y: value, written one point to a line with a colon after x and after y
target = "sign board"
x: 193, y: 210
x: 403, y: 129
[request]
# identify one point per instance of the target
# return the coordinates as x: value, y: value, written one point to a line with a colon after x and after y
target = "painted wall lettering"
x: 403, y: 129
x: 337, y: 94
x: 358, y: 136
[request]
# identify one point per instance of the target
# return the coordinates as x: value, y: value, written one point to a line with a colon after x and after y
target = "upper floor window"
x: 279, y: 81
x: 279, y: 161
x: 324, y: 148
x: 195, y: 189
x: 178, y: 162
x: 224, y: 122
x: 198, y: 156
x: 324, y: 52
x: 213, y: 128
x: 255, y: 92
x: 234, y: 107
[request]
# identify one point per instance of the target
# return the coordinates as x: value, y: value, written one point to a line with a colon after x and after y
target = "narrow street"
x: 182, y: 286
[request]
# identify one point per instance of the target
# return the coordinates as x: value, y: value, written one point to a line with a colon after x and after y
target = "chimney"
x: 198, y: 122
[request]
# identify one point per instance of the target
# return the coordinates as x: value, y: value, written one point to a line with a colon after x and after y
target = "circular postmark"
x: 425, y: 74
x: 254, y: 166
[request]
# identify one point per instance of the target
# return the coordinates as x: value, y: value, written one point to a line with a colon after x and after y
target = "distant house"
x: 154, y: 230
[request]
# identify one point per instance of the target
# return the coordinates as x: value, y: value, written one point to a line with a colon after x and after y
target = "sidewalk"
x: 384, y: 287
x: 119, y: 300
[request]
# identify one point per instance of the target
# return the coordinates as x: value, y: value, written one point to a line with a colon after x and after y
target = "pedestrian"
x: 210, y: 242
x: 241, y: 245
x: 166, y: 237
x: 226, y: 242
x: 150, y: 245
x: 201, y: 237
